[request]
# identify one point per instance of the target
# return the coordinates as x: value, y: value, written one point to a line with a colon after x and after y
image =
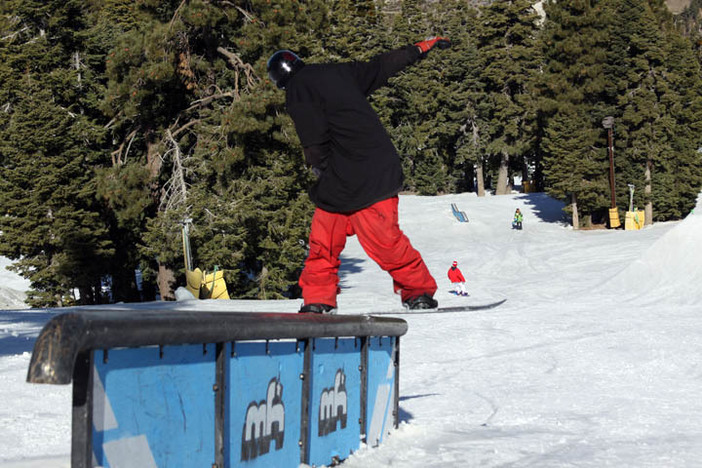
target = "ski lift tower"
x: 608, y: 123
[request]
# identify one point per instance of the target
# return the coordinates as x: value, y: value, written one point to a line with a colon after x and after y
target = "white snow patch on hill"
x: 12, y: 287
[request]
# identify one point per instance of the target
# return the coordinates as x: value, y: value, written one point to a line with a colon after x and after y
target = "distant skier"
x: 518, y: 218
x: 457, y: 280
x: 358, y: 171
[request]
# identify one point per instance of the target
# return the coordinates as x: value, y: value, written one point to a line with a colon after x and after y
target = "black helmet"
x: 282, y: 65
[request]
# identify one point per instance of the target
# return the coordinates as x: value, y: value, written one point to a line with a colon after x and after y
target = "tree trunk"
x: 503, y: 187
x: 124, y: 287
x: 538, y: 176
x: 153, y: 159
x: 86, y: 295
x: 648, y: 211
x: 480, y: 178
x: 166, y: 276
x: 262, y: 283
x: 166, y: 282
x: 470, y: 178
x: 574, y: 207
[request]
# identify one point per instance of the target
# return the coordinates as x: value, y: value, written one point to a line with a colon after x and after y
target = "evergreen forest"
x: 121, y: 119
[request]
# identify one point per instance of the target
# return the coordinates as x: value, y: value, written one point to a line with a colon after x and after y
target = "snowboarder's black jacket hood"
x: 350, y: 150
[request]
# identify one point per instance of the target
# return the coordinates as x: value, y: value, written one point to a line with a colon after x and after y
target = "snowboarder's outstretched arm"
x: 375, y: 73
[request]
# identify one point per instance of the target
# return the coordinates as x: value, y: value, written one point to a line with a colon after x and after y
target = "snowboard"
x: 440, y: 310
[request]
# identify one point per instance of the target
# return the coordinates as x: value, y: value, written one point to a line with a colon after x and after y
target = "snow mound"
x: 12, y: 287
x: 12, y: 299
x: 671, y: 266
x: 183, y: 294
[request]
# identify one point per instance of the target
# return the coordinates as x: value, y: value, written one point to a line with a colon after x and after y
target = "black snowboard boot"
x: 317, y: 309
x: 425, y: 301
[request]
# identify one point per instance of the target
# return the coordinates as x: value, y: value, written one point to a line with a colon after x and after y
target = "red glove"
x: 430, y: 43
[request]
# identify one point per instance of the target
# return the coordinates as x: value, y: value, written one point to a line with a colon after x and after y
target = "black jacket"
x: 342, y: 135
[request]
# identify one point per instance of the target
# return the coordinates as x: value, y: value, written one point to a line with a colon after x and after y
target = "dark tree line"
x: 120, y: 118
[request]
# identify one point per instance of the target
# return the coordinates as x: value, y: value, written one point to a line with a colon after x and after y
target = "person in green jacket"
x: 518, y: 218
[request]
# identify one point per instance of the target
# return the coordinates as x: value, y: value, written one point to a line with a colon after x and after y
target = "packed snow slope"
x: 12, y: 287
x: 593, y: 360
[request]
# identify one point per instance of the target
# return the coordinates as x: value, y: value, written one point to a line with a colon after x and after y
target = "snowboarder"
x: 517, y: 222
x: 457, y: 280
x: 358, y: 171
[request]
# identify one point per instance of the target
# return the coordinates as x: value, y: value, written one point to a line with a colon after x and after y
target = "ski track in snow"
x: 593, y: 360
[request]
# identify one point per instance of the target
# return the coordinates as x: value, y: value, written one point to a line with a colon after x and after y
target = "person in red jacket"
x: 358, y: 171
x: 457, y: 280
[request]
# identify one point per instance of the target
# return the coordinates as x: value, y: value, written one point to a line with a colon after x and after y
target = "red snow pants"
x: 380, y: 236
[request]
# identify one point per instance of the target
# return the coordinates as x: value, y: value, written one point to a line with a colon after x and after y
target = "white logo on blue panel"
x: 265, y: 422
x: 332, y: 405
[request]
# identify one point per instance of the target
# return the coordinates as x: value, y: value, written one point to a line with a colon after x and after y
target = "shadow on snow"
x: 20, y: 342
x: 406, y: 416
x: 544, y: 207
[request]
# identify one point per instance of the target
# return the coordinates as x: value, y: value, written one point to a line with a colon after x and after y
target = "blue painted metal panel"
x: 381, y: 389
x: 264, y: 395
x: 335, y: 407
x: 154, y: 407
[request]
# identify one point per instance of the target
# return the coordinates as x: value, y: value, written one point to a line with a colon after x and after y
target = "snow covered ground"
x: 593, y: 361
x: 12, y: 287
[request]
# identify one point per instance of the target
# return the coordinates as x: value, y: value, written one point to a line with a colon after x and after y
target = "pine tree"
x: 624, y: 59
x: 417, y: 107
x: 463, y: 107
x: 659, y: 115
x: 151, y: 81
x: 572, y: 86
x: 509, y: 61
x: 573, y: 168
x: 457, y: 129
x: 410, y: 105
x: 677, y: 172
x: 644, y: 116
x: 356, y: 31
x: 50, y: 145
x: 231, y: 160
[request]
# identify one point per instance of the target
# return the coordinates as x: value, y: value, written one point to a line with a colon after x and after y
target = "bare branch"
x: 208, y: 99
x: 117, y: 154
x: 185, y: 127
x: 175, y: 189
x: 175, y: 15
x: 67, y: 111
x: 11, y: 36
x: 241, y: 10
x: 239, y: 65
x: 114, y: 119
x: 126, y: 153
